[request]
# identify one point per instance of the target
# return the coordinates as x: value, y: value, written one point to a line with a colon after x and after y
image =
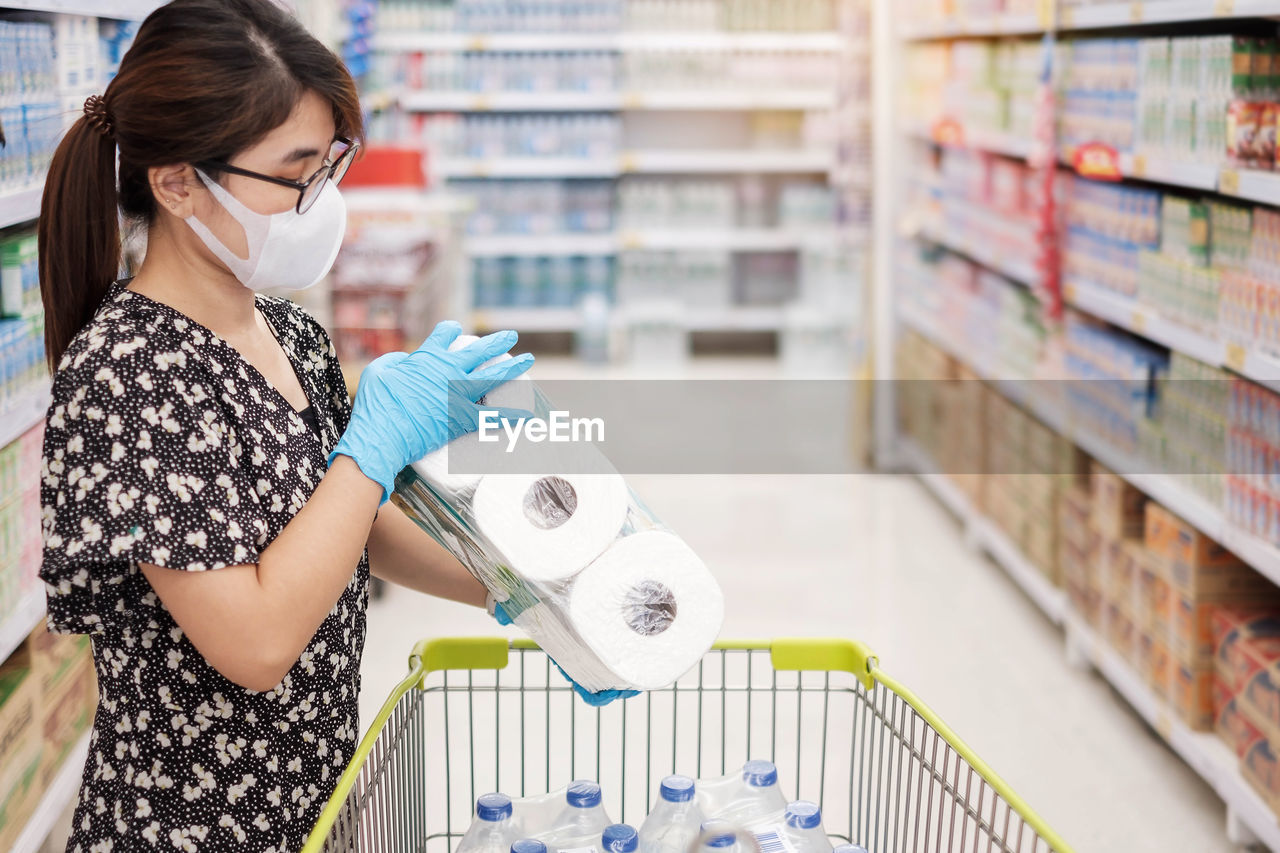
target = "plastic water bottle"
x: 674, y: 821
x: 528, y: 845
x: 619, y: 838
x: 720, y: 836
x: 758, y: 798
x: 803, y: 828
x: 583, y: 820
x: 494, y: 829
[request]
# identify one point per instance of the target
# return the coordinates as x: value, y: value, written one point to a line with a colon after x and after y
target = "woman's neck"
x: 177, y: 274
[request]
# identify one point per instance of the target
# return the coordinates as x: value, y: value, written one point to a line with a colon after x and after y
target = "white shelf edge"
x: 1098, y: 17
x: 56, y: 798
x: 124, y: 10
x: 533, y: 319
x: 638, y: 162
x: 1203, y: 752
x: 1012, y: 268
x: 786, y: 99
x: 643, y: 239
x: 26, y: 412
x: 21, y: 621
x: 21, y: 206
x: 625, y: 41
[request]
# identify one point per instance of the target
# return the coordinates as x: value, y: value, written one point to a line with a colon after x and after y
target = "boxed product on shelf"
x: 1262, y: 770
x: 68, y: 698
x: 19, y: 274
x: 1116, y: 506
x: 21, y: 745
x: 1233, y: 727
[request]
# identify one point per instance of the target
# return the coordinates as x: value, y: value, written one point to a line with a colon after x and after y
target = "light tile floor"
x: 874, y: 557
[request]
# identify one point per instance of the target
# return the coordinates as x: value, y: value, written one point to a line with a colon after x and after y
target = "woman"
x: 209, y: 491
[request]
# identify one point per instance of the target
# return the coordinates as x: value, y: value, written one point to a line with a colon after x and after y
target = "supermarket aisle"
x: 945, y: 622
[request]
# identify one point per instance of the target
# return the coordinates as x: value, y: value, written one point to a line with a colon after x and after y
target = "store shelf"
x: 1097, y: 16
x: 124, y: 10
x: 61, y: 791
x: 729, y: 239
x: 24, y: 413
x: 985, y: 535
x: 1164, y: 489
x: 633, y: 41
x: 1141, y: 320
x: 727, y: 161
x: 1204, y: 752
x: 990, y: 256
x: 527, y: 167
x: 739, y: 319
x: 527, y: 102
x: 995, y: 143
x: 21, y: 206
x: 754, y: 41
x: 693, y: 99
x: 527, y: 319
x: 726, y: 239
x: 21, y: 621
x: 543, y: 245
x: 673, y: 162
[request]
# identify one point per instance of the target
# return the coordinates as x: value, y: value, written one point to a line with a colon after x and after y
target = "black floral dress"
x: 165, y: 446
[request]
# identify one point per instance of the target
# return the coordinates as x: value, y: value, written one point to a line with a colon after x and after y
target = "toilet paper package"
x: 577, y: 560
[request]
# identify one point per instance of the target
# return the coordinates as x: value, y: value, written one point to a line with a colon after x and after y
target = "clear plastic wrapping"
x: 577, y: 560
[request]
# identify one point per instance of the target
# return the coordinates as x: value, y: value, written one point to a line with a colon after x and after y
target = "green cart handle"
x: 793, y: 654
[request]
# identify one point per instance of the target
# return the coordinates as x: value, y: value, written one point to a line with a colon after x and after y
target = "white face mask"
x: 287, y: 250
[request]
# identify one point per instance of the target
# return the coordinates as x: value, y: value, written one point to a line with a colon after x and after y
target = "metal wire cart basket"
x: 487, y: 714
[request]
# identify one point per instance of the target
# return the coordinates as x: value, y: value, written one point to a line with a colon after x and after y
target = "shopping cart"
x: 487, y: 714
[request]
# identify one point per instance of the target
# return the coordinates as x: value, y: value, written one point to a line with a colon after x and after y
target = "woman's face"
x: 293, y: 151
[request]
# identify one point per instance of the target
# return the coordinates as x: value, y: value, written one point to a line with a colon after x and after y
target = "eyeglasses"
x: 335, y: 168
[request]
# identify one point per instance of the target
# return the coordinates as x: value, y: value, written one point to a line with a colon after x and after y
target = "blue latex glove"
x: 596, y: 700
x: 409, y: 404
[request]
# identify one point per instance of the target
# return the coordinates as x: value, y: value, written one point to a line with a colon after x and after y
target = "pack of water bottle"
x: 744, y: 812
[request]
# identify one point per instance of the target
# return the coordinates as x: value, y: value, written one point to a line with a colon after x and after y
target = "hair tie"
x: 95, y: 110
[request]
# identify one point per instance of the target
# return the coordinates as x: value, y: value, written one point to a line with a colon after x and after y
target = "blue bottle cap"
x: 803, y: 814
x: 528, y: 845
x: 583, y: 794
x: 677, y: 789
x: 493, y: 807
x: 760, y: 774
x: 722, y: 833
x: 619, y: 838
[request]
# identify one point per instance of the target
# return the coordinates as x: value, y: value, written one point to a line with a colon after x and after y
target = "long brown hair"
x: 204, y: 80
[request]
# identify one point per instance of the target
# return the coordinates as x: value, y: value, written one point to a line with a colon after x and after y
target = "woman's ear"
x: 171, y: 186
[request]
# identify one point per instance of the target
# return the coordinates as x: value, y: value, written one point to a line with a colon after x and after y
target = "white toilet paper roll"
x: 648, y: 608
x: 547, y: 527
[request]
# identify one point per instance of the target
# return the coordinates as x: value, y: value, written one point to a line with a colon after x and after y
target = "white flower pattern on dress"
x: 164, y: 446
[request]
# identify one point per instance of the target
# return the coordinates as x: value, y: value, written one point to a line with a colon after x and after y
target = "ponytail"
x: 79, y: 233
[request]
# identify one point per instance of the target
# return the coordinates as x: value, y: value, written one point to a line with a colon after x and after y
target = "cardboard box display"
x: 1244, y: 644
x: 1073, y: 514
x: 1159, y: 531
x: 66, y: 713
x: 1159, y: 663
x: 1041, y: 548
x: 1191, y: 695
x: 1260, y: 701
x: 1235, y: 729
x: 20, y: 746
x: 1117, y: 506
x: 53, y: 656
x: 1121, y: 633
x: 1259, y: 766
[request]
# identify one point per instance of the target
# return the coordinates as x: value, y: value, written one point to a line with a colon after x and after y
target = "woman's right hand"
x: 409, y: 404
